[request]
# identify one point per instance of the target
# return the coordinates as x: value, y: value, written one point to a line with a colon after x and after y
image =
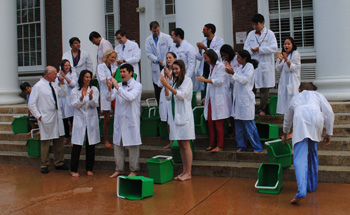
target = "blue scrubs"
x: 246, y: 130
x: 306, y: 166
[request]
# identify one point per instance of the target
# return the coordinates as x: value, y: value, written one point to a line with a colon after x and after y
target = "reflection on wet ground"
x: 24, y: 190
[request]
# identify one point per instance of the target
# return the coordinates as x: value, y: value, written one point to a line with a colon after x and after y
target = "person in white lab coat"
x: 43, y: 104
x: 103, y: 46
x: 180, y: 117
x: 126, y: 119
x: 211, y: 41
x: 128, y: 52
x: 308, y: 111
x: 288, y: 64
x: 157, y: 45
x: 184, y: 51
x: 244, y: 102
x: 262, y: 45
x: 163, y: 102
x: 70, y: 79
x: 106, y: 70
x: 79, y: 59
x: 84, y: 100
x: 218, y: 100
x: 229, y: 58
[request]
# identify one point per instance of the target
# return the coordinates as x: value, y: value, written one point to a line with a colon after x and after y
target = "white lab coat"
x: 218, y: 93
x: 265, y: 74
x: 182, y: 125
x: 127, y: 114
x: 103, y: 73
x: 187, y: 54
x: 102, y: 48
x: 42, y: 104
x: 85, y: 117
x: 163, y: 102
x: 131, y: 54
x: 215, y: 44
x: 85, y: 62
x: 65, y: 102
x: 289, y: 82
x: 157, y: 52
x: 243, y: 107
x: 308, y: 111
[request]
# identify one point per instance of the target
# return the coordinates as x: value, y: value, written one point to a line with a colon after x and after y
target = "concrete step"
x: 329, y: 157
x: 332, y: 174
x: 14, y: 109
x: 340, y: 118
x: 5, y: 126
x: 8, y: 117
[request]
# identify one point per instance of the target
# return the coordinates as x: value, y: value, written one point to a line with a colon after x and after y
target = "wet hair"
x: 153, y: 24
x: 128, y: 67
x: 293, y: 44
x: 93, y: 35
x: 307, y: 86
x: 24, y: 86
x: 212, y: 56
x: 47, y: 70
x: 226, y: 48
x: 179, y: 32
x: 178, y: 80
x: 121, y: 32
x: 62, y: 64
x: 81, y: 78
x: 211, y: 26
x: 245, y: 54
x: 258, y: 18
x: 107, y: 54
x: 172, y: 53
x: 73, y: 39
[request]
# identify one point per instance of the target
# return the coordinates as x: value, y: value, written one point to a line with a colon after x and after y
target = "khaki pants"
x: 134, y: 158
x: 58, y: 150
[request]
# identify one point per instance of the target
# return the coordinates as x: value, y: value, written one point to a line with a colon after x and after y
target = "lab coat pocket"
x: 180, y: 120
x: 263, y: 67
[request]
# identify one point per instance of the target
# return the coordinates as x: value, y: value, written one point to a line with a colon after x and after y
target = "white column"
x: 79, y: 19
x: 331, y: 35
x: 9, y: 89
x: 192, y: 15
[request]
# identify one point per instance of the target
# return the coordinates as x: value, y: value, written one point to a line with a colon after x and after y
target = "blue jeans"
x: 246, y: 130
x: 306, y: 166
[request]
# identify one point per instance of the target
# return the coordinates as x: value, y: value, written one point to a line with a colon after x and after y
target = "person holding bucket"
x: 307, y: 111
x: 180, y: 117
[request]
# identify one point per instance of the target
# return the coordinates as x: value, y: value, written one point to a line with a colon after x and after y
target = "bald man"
x: 43, y: 104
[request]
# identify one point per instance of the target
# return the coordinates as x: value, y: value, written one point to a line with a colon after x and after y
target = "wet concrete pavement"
x: 24, y: 190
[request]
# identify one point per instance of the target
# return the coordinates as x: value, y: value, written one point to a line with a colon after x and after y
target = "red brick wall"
x: 242, y: 14
x: 129, y: 19
x: 53, y: 16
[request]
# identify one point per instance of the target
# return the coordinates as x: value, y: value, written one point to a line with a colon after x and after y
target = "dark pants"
x: 90, y: 157
x: 157, y: 91
x: 264, y: 97
x: 66, y: 126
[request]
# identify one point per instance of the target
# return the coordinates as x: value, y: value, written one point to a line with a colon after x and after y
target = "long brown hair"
x: 181, y: 77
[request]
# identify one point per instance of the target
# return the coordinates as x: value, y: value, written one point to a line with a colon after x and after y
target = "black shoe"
x: 44, y: 170
x: 63, y: 167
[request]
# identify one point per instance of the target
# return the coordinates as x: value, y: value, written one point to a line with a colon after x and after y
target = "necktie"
x: 123, y: 47
x: 54, y: 95
x: 258, y: 32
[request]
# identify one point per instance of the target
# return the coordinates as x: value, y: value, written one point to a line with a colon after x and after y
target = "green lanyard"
x: 173, y: 103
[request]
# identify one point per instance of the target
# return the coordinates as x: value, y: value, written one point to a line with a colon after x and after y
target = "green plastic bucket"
x: 33, y: 145
x: 267, y: 131
x: 161, y: 168
x: 175, y: 151
x: 163, y: 129
x: 134, y: 187
x: 270, y: 178
x: 20, y: 124
x: 278, y: 152
x: 272, y: 105
x: 149, y: 125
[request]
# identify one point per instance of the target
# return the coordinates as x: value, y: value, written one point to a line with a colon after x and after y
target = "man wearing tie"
x: 128, y: 52
x: 43, y: 104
